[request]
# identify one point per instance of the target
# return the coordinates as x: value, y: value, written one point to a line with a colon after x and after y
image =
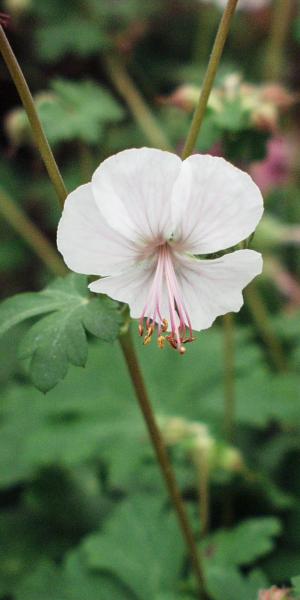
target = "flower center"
x: 165, y: 280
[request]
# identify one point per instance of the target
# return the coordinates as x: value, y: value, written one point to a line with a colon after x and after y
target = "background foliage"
x: 84, y: 513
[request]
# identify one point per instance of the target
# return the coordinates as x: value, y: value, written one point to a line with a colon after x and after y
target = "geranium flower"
x: 140, y: 224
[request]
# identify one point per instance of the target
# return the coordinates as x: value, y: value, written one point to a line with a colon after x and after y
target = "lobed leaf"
x: 245, y: 543
x: 60, y: 338
x: 227, y: 583
x: 78, y: 110
x: 140, y: 523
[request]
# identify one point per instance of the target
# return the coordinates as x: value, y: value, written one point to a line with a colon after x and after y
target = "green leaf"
x: 47, y: 576
x: 211, y: 133
x: 71, y: 581
x: 77, y: 110
x: 60, y: 338
x: 51, y: 344
x: 22, y: 545
x: 296, y: 29
x: 74, y: 35
x: 83, y: 583
x: 233, y: 117
x: 227, y: 583
x: 18, y: 308
x: 245, y: 543
x: 139, y: 526
x: 75, y: 423
x: 296, y: 584
x: 283, y: 564
x: 100, y: 319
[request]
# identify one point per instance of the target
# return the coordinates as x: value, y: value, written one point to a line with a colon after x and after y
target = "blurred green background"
x: 84, y: 512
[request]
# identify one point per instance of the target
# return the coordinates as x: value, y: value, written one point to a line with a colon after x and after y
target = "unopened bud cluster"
x: 200, y: 446
x: 260, y: 105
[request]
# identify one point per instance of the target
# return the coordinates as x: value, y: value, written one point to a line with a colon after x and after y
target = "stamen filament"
x: 165, y: 274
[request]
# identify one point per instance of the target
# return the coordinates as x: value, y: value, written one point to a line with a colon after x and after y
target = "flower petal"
x: 88, y: 244
x: 131, y: 287
x: 214, y: 287
x: 214, y: 205
x: 133, y: 191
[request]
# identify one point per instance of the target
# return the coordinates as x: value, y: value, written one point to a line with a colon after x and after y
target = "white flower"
x: 242, y: 4
x: 140, y: 222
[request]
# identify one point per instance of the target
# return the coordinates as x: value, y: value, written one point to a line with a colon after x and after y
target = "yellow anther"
x: 165, y: 325
x: 172, y: 342
x: 141, y: 329
x: 147, y: 339
x: 161, y: 341
x: 187, y: 340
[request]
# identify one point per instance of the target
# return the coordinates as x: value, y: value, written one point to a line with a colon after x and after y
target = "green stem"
x: 203, y: 487
x: 31, y: 234
x: 161, y: 453
x: 209, y: 77
x: 86, y: 161
x: 140, y: 111
x: 261, y: 319
x: 37, y: 129
x: 125, y: 341
x: 229, y: 376
x: 275, y: 53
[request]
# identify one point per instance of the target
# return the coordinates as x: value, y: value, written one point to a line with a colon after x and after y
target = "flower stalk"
x: 209, y: 77
x: 37, y: 129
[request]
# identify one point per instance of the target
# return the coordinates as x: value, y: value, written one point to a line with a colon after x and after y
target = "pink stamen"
x: 165, y: 275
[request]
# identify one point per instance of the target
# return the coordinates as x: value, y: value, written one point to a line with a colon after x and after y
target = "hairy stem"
x: 160, y: 450
x: 134, y: 100
x: 275, y: 53
x: 15, y: 216
x: 125, y: 341
x: 37, y: 129
x: 261, y: 319
x: 209, y: 77
x: 229, y: 376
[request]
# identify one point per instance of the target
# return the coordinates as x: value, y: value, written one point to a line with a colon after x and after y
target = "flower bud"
x: 265, y: 116
x: 174, y: 429
x: 278, y: 95
x: 16, y: 127
x: 230, y: 459
x: 186, y: 98
x: 203, y: 450
x: 275, y: 593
